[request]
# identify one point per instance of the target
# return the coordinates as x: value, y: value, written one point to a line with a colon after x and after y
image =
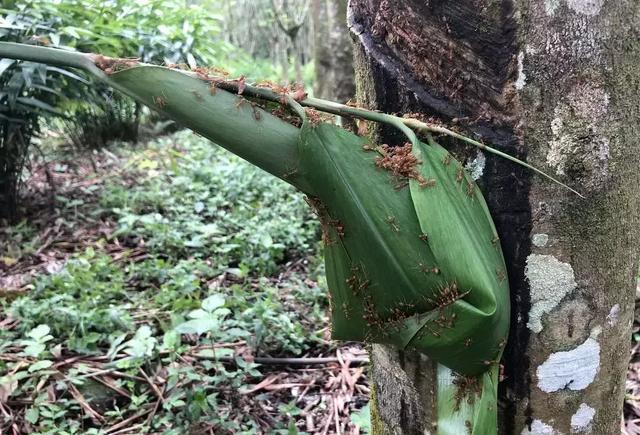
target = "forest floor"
x: 157, y: 290
x: 172, y: 288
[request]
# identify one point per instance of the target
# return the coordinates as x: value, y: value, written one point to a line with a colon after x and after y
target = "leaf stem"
x: 408, y: 126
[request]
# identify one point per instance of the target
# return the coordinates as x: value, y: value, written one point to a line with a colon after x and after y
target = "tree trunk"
x: 555, y: 82
x: 333, y: 55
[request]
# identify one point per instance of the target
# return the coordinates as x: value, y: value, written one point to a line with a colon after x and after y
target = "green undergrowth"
x: 199, y: 201
x: 208, y: 253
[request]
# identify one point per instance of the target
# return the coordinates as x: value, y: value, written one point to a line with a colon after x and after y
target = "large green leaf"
x: 227, y: 119
x: 447, y: 296
x: 419, y: 267
x: 463, y: 239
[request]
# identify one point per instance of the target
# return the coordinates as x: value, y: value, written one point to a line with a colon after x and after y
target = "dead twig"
x: 95, y: 415
x: 288, y: 361
x: 124, y: 423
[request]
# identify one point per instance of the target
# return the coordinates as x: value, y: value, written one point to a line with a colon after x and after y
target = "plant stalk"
x: 405, y: 125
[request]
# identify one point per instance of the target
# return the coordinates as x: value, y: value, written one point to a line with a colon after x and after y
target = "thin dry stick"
x: 336, y: 414
x: 112, y: 372
x: 304, y: 392
x: 84, y: 404
x: 329, y: 419
x: 153, y: 386
x: 155, y: 408
x: 289, y: 361
x: 115, y: 428
x: 130, y: 430
x: 113, y: 387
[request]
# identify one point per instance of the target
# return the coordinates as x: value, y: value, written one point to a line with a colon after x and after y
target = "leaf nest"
x: 112, y: 65
x: 468, y: 387
x: 400, y: 161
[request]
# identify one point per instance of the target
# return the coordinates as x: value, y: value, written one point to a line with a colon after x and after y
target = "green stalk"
x: 409, y: 125
x: 469, y: 409
x: 405, y: 125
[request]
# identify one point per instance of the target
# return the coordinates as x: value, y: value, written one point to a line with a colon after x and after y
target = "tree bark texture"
x: 333, y: 54
x: 557, y: 83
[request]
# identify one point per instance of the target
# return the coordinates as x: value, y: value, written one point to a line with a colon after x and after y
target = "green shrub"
x: 83, y: 304
x: 210, y: 205
x: 27, y: 90
x: 93, y: 125
x: 155, y: 31
x: 161, y: 313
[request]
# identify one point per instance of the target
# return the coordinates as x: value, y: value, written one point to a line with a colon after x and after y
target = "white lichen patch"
x: 559, y: 151
x: 581, y: 420
x: 574, y: 369
x: 588, y: 101
x: 539, y: 427
x: 586, y: 7
x: 522, y: 77
x: 577, y: 134
x: 550, y: 280
x: 540, y: 240
x: 476, y: 166
x: 560, y: 146
x: 550, y: 6
x: 576, y: 39
x: 614, y: 313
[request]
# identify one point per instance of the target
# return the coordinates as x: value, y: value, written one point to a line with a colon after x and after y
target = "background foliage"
x: 155, y: 31
x: 203, y: 251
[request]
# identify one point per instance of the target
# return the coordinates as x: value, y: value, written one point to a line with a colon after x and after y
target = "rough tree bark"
x: 333, y: 55
x: 555, y: 82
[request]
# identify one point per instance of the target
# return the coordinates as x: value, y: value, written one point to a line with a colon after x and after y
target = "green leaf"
x: 208, y: 229
x: 466, y: 248
x: 190, y: 102
x: 66, y: 73
x: 199, y: 314
x: 362, y: 418
x: 142, y: 344
x: 40, y: 365
x: 33, y: 349
x: 40, y: 333
x: 38, y: 104
x: 213, y: 302
x: 171, y: 340
x: 199, y: 326
x: 234, y: 333
x: 116, y: 346
x: 32, y: 415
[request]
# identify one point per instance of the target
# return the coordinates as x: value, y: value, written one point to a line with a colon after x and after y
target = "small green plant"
x: 36, y: 340
x: 362, y: 419
x: 210, y: 206
x: 84, y: 303
x: 106, y: 118
x: 206, y: 319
